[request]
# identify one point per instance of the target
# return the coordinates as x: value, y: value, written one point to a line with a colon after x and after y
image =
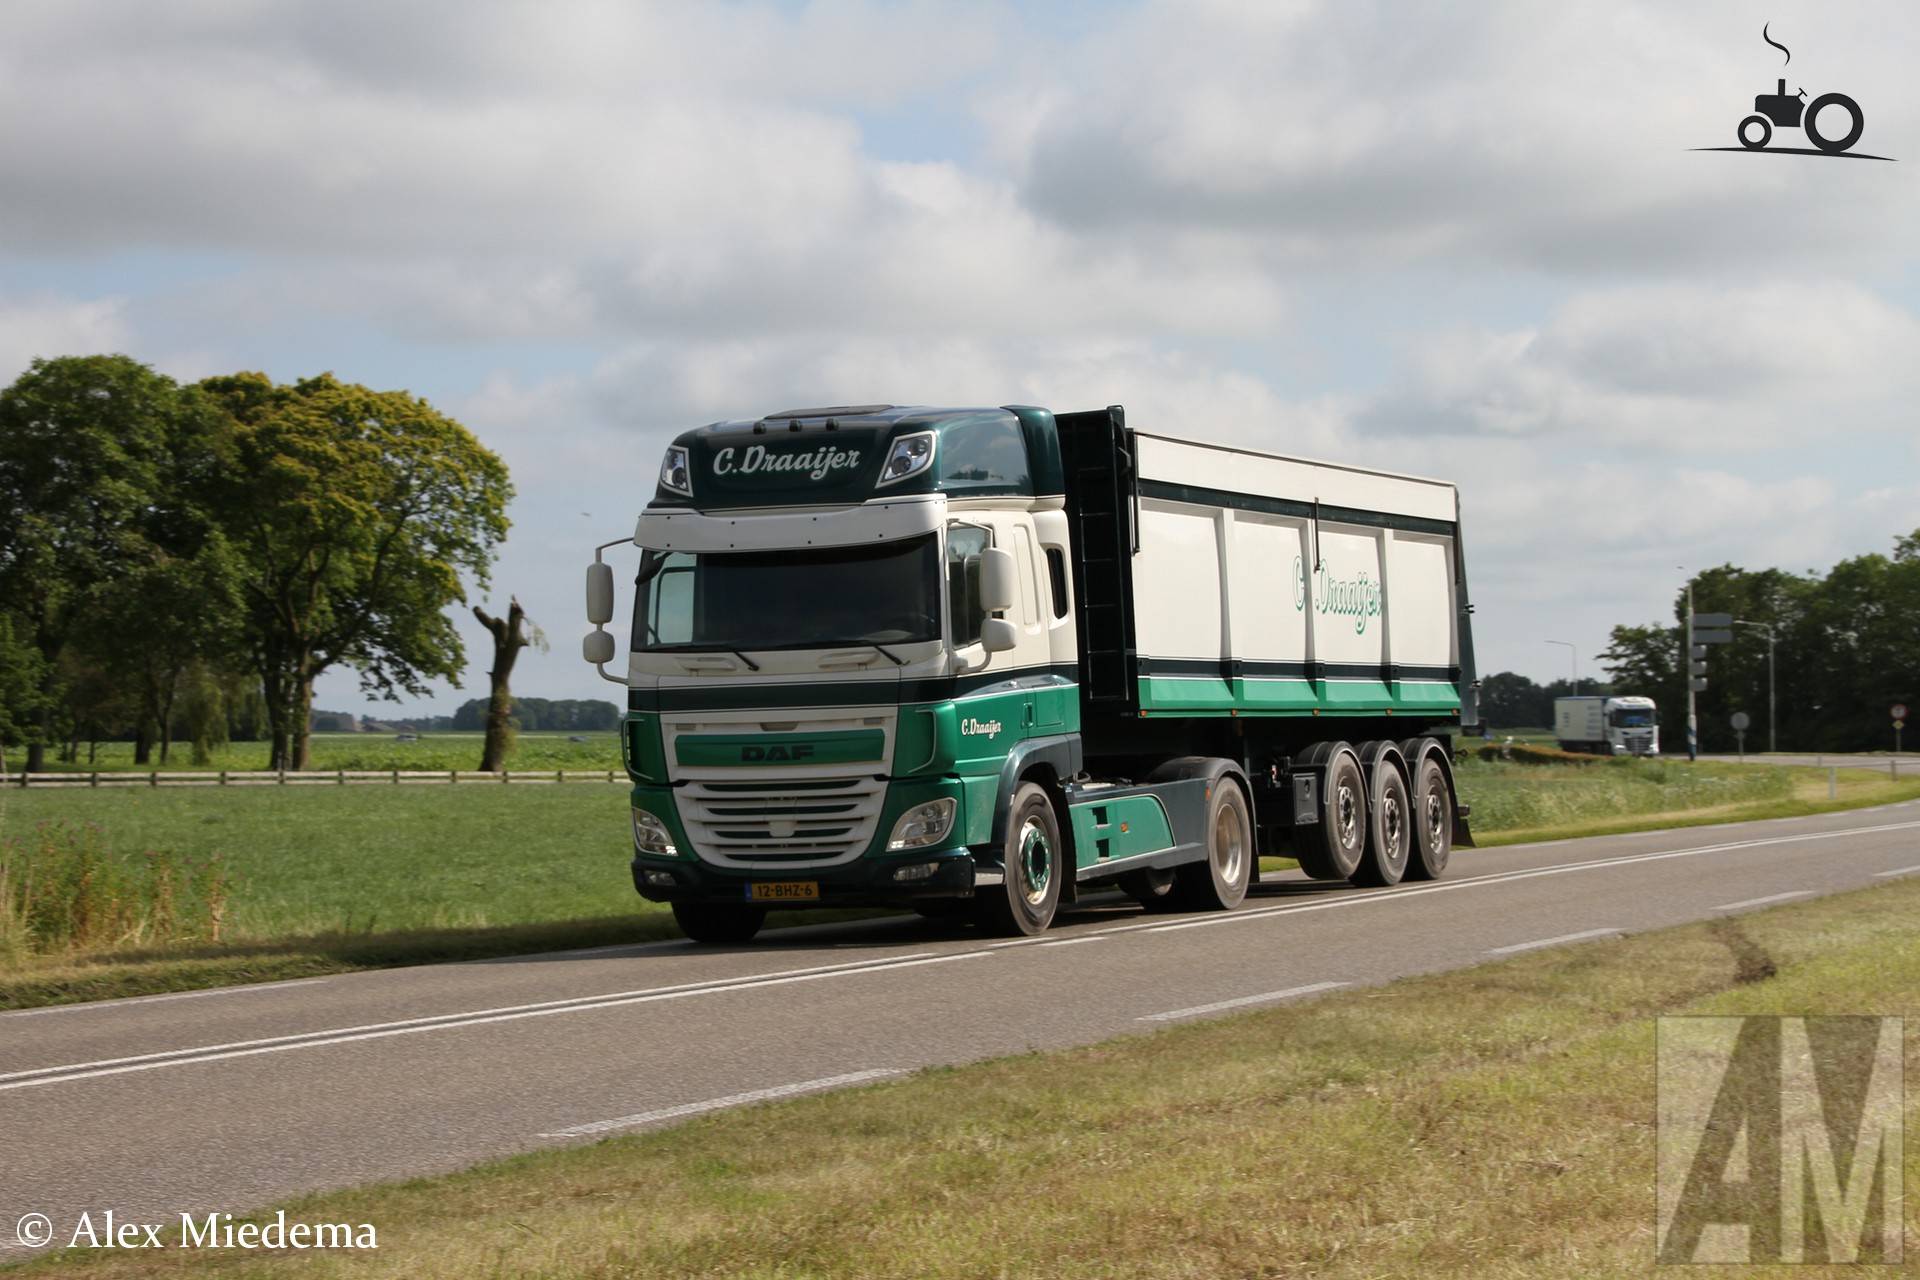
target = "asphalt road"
x: 231, y: 1099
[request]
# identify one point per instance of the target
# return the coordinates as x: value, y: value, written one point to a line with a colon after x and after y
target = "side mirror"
x: 600, y: 593
x: 997, y: 635
x: 998, y: 575
x: 597, y: 647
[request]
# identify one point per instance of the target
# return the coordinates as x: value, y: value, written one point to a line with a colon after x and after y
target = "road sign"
x: 1741, y: 720
x: 1899, y: 711
x: 1712, y: 637
x: 1710, y: 620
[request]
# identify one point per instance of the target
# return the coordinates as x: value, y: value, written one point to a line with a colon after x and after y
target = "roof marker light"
x: 674, y: 474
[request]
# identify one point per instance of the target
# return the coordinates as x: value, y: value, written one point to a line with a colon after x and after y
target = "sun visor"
x: 693, y: 531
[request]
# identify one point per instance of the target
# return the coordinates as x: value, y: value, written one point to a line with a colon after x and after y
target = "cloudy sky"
x: 1468, y: 241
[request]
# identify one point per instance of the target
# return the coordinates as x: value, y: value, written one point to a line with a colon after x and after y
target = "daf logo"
x: 768, y: 755
x: 972, y: 728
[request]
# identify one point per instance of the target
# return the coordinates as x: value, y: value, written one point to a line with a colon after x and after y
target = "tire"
x: 1024, y: 903
x: 1766, y: 132
x: 1220, y: 883
x: 1432, y: 807
x: 1341, y: 834
x: 1151, y: 888
x: 718, y: 923
x: 1389, y: 826
x: 1833, y: 146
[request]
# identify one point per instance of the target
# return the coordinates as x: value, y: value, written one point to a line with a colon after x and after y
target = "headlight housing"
x: 674, y: 474
x: 650, y: 835
x: 923, y: 825
x: 909, y: 456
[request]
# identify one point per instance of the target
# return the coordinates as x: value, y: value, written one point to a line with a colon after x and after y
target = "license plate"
x: 783, y: 891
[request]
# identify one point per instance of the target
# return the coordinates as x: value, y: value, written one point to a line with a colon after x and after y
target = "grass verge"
x: 1489, y: 1122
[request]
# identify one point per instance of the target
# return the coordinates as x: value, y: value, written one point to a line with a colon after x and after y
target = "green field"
x: 328, y: 878
x: 367, y: 751
x: 1490, y: 1122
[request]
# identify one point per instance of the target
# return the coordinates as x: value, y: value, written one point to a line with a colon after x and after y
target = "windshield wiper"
x: 751, y: 664
x: 894, y: 658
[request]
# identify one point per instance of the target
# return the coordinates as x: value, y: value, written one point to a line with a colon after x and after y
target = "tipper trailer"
x: 986, y: 660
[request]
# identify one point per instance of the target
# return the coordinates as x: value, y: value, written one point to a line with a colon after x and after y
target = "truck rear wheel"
x: 1024, y: 903
x: 1220, y: 883
x: 1151, y: 888
x: 718, y: 922
x: 1389, y: 826
x: 1432, y: 821
x: 1340, y: 837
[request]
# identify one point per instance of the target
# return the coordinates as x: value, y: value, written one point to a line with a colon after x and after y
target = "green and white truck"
x: 987, y: 660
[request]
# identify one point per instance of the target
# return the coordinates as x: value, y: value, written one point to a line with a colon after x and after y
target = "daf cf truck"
x: 984, y: 661
x: 1607, y: 726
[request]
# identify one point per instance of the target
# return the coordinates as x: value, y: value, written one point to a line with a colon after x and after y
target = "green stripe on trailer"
x: 1218, y: 696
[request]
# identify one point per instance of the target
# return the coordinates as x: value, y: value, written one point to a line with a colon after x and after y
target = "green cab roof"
x: 839, y: 456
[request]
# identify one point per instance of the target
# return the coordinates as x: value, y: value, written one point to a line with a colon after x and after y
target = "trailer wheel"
x: 1024, y: 903
x: 718, y: 923
x: 1432, y: 821
x: 1151, y: 888
x: 1341, y: 834
x: 1389, y: 826
x: 1220, y: 883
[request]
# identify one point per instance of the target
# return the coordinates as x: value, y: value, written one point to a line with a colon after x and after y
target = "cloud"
x: 45, y: 325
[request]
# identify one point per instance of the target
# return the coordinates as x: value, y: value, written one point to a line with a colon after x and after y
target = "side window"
x: 1057, y: 576
x: 965, y: 542
x: 668, y: 604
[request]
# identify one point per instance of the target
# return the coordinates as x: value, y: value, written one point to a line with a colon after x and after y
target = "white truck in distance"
x: 1607, y: 726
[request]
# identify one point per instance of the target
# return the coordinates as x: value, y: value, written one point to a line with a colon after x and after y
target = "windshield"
x: 1632, y: 717
x: 820, y: 598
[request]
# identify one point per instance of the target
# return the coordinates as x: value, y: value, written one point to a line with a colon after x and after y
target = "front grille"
x: 803, y: 822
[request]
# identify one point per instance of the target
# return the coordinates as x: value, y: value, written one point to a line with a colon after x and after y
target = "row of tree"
x: 1846, y: 650
x: 204, y: 552
x: 543, y: 715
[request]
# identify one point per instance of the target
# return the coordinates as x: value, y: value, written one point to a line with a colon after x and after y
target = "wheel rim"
x: 1229, y: 845
x: 1036, y: 862
x: 1436, y: 820
x: 1393, y: 827
x: 1346, y: 803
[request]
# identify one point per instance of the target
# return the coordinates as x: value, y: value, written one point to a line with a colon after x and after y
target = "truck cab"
x: 865, y: 644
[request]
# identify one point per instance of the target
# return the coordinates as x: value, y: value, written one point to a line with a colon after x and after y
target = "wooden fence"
x: 310, y: 778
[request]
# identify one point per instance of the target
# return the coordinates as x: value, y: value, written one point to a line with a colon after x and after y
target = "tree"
x: 21, y: 687
x: 354, y: 513
x: 85, y: 443
x: 509, y: 638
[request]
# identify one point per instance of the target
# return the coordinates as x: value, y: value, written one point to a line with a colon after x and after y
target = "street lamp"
x: 1762, y: 626
x: 1573, y: 663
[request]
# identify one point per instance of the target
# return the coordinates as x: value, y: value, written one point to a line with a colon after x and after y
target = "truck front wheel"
x: 1025, y: 901
x: 1220, y: 883
x: 718, y: 922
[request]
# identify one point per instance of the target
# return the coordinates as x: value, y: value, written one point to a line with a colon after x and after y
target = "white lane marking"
x: 1516, y: 947
x: 109, y: 1005
x: 1402, y: 892
x: 1897, y: 871
x: 411, y: 1026
x: 1070, y: 942
x: 1265, y: 997
x: 721, y: 1104
x: 1756, y: 902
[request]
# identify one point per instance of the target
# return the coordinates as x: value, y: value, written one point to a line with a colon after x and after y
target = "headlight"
x: 673, y: 472
x: 922, y: 825
x: 910, y: 456
x: 650, y: 835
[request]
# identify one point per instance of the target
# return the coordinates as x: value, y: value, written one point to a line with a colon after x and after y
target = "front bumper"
x: 864, y: 882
